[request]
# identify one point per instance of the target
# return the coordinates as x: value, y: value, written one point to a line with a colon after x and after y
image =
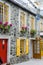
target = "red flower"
x: 10, y: 24
x: 0, y: 22
x: 26, y: 28
x: 6, y: 23
x: 22, y: 27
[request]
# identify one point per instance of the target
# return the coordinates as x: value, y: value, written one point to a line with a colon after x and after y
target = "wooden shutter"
x: 6, y: 13
x: 27, y: 46
x: 18, y: 47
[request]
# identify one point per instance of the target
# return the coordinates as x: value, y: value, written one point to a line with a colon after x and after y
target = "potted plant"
x: 32, y: 32
x: 23, y: 30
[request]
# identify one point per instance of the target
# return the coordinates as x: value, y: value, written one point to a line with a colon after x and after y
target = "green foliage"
x: 23, y: 30
x: 32, y: 32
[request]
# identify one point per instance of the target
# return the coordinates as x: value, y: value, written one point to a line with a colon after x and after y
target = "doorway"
x: 3, y: 50
x: 36, y: 49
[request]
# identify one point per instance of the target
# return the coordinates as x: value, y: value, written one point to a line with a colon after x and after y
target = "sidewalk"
x: 32, y: 62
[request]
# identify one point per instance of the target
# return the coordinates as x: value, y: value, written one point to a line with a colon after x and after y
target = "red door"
x: 3, y: 50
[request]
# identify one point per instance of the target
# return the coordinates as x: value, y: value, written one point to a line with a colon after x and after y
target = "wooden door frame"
x: 36, y: 53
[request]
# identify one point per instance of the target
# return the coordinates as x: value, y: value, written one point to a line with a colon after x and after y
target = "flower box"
x: 5, y: 27
x: 23, y: 31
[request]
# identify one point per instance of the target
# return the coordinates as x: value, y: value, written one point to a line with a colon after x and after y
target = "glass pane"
x: 1, y: 13
x: 22, y: 19
x: 34, y: 47
x: 38, y: 47
x: 6, y: 9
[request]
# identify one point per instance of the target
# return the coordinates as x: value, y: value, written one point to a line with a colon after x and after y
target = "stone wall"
x: 14, y: 33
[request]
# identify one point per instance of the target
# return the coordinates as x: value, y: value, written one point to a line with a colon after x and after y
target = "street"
x: 32, y: 62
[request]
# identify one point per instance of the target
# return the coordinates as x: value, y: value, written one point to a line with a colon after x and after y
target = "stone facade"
x: 14, y: 33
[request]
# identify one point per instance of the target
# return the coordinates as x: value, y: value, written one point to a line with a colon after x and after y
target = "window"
x: 36, y: 47
x: 22, y: 47
x: 41, y: 24
x: 6, y: 9
x: 32, y: 20
x: 22, y: 19
x: 1, y: 11
x: 4, y: 12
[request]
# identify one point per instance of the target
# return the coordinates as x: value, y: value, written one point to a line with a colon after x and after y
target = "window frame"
x: 4, y: 3
x: 25, y: 18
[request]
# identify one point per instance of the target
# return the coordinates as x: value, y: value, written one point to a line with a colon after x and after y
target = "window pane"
x: 22, y: 19
x: 6, y: 9
x: 1, y: 12
x: 38, y: 47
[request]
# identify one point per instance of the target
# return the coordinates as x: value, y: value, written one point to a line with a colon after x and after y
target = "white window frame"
x: 9, y: 21
x: 25, y: 17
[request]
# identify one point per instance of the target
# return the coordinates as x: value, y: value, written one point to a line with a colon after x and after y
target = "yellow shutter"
x: 41, y: 47
x: 27, y: 46
x: 18, y: 47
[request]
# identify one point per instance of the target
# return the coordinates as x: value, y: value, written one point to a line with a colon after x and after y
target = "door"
x: 3, y: 50
x: 36, y: 49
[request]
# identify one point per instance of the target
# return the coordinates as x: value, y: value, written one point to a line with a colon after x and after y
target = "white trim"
x: 22, y: 38
x: 8, y: 47
x: 8, y: 50
x: 32, y: 38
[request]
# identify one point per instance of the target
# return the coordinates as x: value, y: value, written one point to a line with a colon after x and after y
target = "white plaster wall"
x: 30, y: 50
